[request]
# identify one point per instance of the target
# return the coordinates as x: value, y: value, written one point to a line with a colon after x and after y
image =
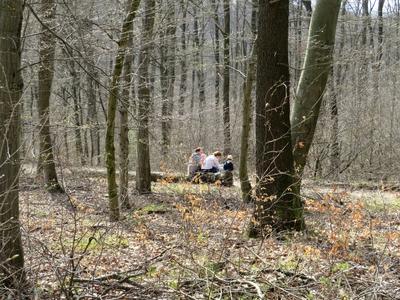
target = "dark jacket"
x: 228, y: 166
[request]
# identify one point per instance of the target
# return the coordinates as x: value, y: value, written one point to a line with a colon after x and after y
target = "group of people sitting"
x: 200, y: 164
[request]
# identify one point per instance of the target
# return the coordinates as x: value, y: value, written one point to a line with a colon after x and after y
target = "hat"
x: 229, y: 157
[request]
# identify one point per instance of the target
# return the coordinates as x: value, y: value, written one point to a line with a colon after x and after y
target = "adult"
x: 211, y: 163
x: 195, y: 162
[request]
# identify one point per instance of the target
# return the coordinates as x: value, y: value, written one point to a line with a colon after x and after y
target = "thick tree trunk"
x: 46, y: 74
x: 112, y: 107
x: 275, y: 206
x: 12, y: 273
x: 143, y: 178
x: 226, y: 86
x: 313, y: 80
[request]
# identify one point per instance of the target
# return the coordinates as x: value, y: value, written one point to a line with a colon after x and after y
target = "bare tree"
x: 275, y: 204
x: 226, y: 86
x: 112, y: 107
x: 167, y: 71
x: 12, y: 274
x: 245, y: 184
x: 46, y: 74
x: 124, y: 106
x: 311, y: 87
x: 143, y: 176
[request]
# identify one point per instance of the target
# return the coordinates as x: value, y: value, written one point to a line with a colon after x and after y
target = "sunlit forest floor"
x: 187, y: 241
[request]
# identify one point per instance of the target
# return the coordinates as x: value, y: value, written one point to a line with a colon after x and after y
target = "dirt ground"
x: 187, y: 242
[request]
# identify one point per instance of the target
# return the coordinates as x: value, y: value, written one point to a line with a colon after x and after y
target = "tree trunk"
x: 143, y: 178
x: 92, y: 118
x: 199, y: 67
x: 275, y: 206
x: 336, y: 82
x: 226, y: 87
x: 124, y: 126
x: 12, y: 273
x: 167, y: 71
x: 112, y: 107
x: 183, y: 77
x: 245, y: 184
x: 77, y: 108
x: 46, y: 74
x: 215, y: 6
x: 313, y: 80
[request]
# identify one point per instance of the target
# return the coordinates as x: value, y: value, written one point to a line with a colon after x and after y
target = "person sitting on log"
x: 227, y: 176
x: 195, y: 162
x: 228, y: 165
x: 211, y: 163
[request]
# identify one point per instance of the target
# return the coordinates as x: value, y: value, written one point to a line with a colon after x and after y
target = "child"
x: 194, y: 162
x: 228, y: 165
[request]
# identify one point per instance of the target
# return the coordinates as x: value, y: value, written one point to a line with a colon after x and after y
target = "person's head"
x: 229, y: 157
x: 197, y: 150
x: 217, y: 154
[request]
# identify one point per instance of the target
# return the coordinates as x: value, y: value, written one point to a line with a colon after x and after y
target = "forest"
x: 199, y: 149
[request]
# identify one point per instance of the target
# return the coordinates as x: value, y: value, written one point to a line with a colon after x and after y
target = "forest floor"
x: 187, y: 241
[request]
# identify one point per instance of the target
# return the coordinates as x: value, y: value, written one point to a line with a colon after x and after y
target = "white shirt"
x: 210, y: 162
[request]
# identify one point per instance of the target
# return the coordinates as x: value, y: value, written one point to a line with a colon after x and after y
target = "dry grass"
x: 186, y: 242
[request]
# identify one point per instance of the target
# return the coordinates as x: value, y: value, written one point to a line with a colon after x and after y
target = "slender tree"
x: 245, y: 184
x: 12, y: 274
x: 167, y: 70
x: 112, y: 107
x: 45, y: 75
x: 124, y: 105
x: 215, y: 6
x: 143, y: 176
x: 226, y: 86
x: 199, y: 68
x: 336, y: 83
x: 275, y: 204
x: 183, y: 63
x: 311, y: 87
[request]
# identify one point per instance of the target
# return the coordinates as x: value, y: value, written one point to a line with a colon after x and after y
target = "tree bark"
x: 111, y: 110
x: 12, y: 273
x: 167, y: 70
x: 143, y: 178
x: 183, y: 64
x: 124, y: 126
x: 215, y: 6
x: 77, y: 112
x: 245, y: 184
x: 336, y: 82
x: 92, y: 118
x: 226, y: 86
x: 311, y: 87
x: 199, y: 67
x: 275, y: 204
x: 45, y: 75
